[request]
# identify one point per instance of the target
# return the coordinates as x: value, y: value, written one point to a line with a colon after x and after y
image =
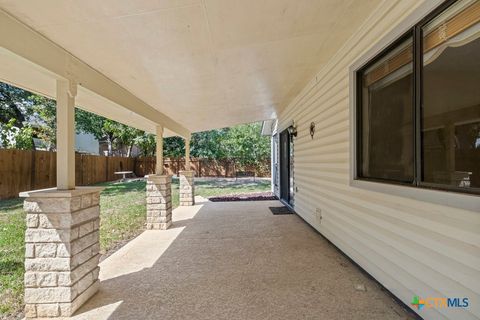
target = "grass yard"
x: 122, y: 218
x: 12, y: 251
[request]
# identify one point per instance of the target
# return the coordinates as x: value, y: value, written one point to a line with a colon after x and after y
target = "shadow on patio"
x: 235, y: 261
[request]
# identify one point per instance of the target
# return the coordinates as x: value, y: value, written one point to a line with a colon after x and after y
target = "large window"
x: 418, y: 104
x: 387, y: 116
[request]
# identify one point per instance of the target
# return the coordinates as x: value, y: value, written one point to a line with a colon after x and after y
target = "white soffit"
x: 29, y: 76
x: 204, y: 63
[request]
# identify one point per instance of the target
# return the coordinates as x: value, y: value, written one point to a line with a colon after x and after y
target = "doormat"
x: 281, y: 210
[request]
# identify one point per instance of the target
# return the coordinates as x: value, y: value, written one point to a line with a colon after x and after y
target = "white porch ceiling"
x: 204, y: 63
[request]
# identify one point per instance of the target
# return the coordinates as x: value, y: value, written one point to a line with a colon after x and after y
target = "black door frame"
x: 285, y: 167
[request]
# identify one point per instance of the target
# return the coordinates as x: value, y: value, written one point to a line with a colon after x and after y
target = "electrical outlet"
x: 318, y: 214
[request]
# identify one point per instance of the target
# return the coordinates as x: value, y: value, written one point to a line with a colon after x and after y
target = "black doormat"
x: 281, y: 210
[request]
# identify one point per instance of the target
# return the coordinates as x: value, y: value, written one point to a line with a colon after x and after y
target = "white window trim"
x: 446, y: 198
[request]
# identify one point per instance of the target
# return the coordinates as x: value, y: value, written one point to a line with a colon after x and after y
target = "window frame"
x: 359, y: 118
x: 413, y: 31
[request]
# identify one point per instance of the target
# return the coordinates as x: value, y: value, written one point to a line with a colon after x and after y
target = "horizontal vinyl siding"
x: 411, y: 247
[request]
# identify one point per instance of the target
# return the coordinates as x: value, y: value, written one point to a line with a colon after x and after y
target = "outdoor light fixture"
x: 292, y: 131
x: 312, y: 129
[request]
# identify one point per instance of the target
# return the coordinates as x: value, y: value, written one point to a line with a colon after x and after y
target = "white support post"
x: 159, y: 151
x: 62, y: 243
x: 159, y: 192
x: 187, y: 153
x: 66, y: 92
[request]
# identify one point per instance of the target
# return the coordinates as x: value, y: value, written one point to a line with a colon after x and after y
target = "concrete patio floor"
x: 235, y: 261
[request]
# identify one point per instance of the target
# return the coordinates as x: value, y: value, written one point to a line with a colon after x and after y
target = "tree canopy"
x: 25, y: 116
x: 113, y: 133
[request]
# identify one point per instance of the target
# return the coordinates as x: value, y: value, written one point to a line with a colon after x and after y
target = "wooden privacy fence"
x: 202, y: 167
x: 22, y: 170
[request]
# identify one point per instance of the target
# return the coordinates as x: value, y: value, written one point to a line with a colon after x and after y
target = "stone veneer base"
x: 61, y: 250
x: 187, y: 188
x: 159, y: 202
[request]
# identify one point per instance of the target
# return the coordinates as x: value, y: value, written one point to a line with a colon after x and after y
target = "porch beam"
x: 19, y: 39
x: 66, y: 92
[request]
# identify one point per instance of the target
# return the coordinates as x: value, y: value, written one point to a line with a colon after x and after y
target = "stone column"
x: 159, y: 202
x: 187, y: 188
x: 159, y: 192
x: 61, y: 250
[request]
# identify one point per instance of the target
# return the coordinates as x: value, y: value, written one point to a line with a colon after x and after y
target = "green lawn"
x: 12, y: 250
x: 122, y: 218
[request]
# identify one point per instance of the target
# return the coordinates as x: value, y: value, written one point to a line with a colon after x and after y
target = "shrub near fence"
x: 23, y: 170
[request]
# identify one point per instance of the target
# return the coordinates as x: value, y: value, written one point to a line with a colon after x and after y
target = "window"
x: 387, y: 116
x: 418, y: 104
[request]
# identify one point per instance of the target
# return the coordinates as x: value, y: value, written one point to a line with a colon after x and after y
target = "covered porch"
x: 226, y: 260
x: 174, y: 68
x: 166, y: 68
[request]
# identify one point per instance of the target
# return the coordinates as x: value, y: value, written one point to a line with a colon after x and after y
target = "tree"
x: 12, y: 104
x: 173, y: 147
x: 117, y: 135
x: 147, y: 144
x: 89, y: 123
x: 210, y: 144
x: 24, y: 115
x: 243, y: 143
x: 100, y: 127
x: 24, y: 138
x: 126, y: 136
x: 12, y: 136
x: 45, y: 117
x: 246, y: 144
x: 14, y: 110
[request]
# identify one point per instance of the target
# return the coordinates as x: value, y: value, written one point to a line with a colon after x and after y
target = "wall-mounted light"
x: 292, y: 131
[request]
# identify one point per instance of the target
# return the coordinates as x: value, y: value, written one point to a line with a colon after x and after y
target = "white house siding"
x: 410, y: 246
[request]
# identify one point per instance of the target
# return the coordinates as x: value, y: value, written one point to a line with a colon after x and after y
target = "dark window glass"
x: 386, y: 117
x: 451, y: 98
x: 440, y: 129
